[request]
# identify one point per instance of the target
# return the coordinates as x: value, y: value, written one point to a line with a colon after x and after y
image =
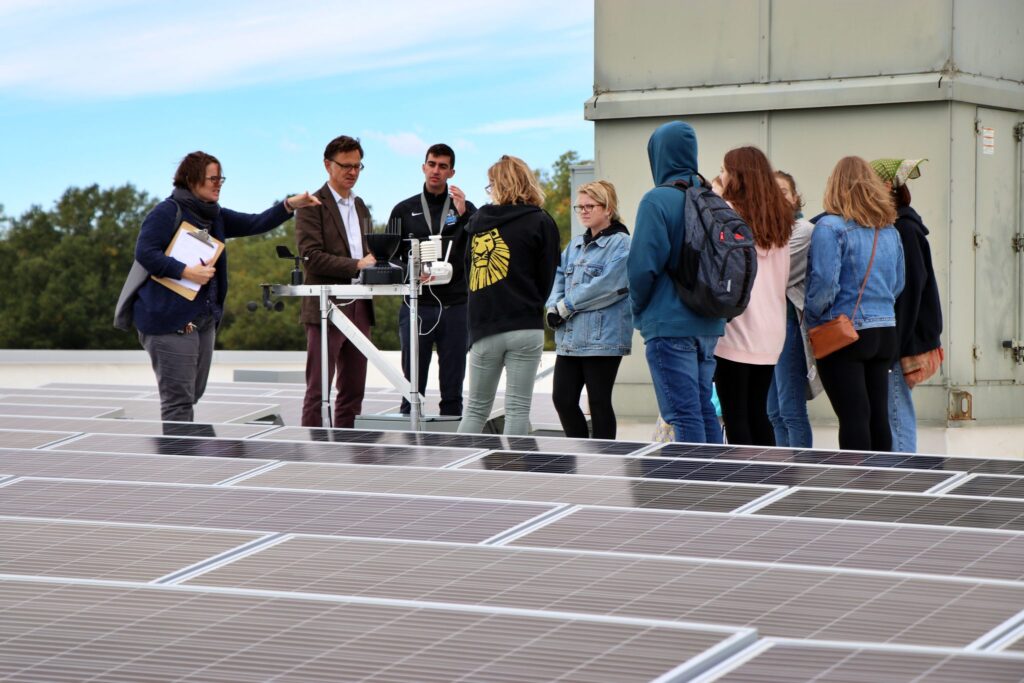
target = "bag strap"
x: 863, y: 284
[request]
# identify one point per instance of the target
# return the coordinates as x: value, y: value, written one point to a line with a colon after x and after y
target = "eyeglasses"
x: 584, y: 208
x: 348, y: 167
x: 216, y: 179
x: 488, y: 189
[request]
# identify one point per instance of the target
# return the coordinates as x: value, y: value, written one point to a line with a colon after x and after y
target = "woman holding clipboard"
x: 177, y: 315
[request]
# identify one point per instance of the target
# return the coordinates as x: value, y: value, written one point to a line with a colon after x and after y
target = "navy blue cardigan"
x: 157, y: 309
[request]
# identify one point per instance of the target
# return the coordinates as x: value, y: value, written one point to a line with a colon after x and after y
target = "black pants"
x: 743, y: 393
x: 856, y: 380
x: 446, y: 328
x: 597, y: 373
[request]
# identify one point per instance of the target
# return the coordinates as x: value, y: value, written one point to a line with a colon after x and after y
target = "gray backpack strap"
x: 137, y: 277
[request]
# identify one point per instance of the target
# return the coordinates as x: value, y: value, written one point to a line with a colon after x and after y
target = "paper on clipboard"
x: 190, y: 246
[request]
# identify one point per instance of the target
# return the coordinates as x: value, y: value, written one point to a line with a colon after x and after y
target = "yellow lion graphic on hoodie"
x: 490, y: 260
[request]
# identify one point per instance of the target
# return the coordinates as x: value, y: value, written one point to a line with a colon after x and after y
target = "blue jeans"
x: 902, y: 417
x: 682, y: 369
x: 787, y: 397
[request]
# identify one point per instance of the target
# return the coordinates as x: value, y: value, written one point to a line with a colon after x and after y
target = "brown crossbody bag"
x: 839, y: 332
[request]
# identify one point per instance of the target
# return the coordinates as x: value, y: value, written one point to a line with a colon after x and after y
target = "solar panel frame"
x: 138, y: 408
x: 722, y: 470
x: 990, y: 486
x: 817, y: 600
x: 851, y: 508
x: 369, y: 454
x: 59, y: 410
x: 533, y: 486
x: 86, y: 425
x: 164, y: 614
x: 77, y: 549
x: 32, y: 438
x: 41, y: 463
x: 481, y: 442
x: 841, y: 544
x: 921, y: 461
x: 211, y: 506
x: 778, y: 660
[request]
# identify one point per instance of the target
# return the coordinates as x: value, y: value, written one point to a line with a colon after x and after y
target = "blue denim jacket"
x: 836, y: 263
x: 591, y: 285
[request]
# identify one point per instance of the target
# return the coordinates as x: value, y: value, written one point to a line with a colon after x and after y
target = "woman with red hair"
x: 753, y: 340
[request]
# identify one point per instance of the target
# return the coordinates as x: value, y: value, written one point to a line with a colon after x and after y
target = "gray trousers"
x: 182, y: 365
x: 518, y: 352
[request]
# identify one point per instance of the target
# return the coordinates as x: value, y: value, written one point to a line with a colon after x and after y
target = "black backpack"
x: 718, y: 261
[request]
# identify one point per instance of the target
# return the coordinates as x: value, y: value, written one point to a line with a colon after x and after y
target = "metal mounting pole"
x: 325, y: 382
x: 415, y: 407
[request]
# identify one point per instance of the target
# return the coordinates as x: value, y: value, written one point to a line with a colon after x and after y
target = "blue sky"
x: 117, y: 91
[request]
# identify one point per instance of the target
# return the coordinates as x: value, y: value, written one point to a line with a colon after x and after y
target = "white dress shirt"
x: 350, y: 219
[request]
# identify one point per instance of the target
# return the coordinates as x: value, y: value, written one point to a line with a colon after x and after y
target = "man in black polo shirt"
x: 439, y: 209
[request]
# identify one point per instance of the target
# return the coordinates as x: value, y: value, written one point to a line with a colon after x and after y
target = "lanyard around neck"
x: 426, y: 213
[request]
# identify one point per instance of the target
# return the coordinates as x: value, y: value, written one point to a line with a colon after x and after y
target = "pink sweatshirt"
x: 757, y: 335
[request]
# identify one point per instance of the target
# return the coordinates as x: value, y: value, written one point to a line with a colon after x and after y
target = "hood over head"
x: 672, y: 151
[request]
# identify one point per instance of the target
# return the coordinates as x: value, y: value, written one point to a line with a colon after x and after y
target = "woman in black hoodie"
x: 513, y: 254
x: 918, y: 308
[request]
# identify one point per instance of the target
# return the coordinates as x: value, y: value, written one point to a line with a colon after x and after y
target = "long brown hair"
x: 854, y: 192
x: 752, y: 191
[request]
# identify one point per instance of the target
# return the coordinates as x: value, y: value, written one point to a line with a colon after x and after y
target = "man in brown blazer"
x: 330, y: 237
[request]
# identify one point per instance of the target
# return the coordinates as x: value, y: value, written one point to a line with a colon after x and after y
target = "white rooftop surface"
x: 26, y: 368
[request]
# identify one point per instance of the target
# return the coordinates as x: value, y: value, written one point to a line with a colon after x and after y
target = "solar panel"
x: 319, y: 512
x: 106, y: 551
x: 58, y: 410
x: 578, y: 490
x: 122, y: 467
x: 474, y: 441
x: 136, y: 550
x: 790, y: 662
x: 821, y: 457
x: 777, y: 601
x: 140, y: 633
x: 993, y: 485
x: 141, y: 409
x: 366, y: 454
x: 13, y: 438
x: 733, y: 471
x: 907, y: 508
x: 102, y: 426
x: 945, y: 551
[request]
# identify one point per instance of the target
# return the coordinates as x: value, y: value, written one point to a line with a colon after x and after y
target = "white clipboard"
x: 190, y: 246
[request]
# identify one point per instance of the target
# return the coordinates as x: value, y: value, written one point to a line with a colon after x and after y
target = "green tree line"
x: 64, y: 268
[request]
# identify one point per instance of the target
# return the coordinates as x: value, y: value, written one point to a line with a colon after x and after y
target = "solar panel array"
x: 242, y: 550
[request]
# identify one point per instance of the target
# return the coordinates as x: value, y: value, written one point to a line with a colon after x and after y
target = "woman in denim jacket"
x: 589, y: 311
x: 856, y: 377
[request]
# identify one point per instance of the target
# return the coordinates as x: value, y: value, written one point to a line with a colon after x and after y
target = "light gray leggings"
x: 518, y: 352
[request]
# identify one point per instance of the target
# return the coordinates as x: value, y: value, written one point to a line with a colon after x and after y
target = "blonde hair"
x: 602, y: 192
x: 856, y: 193
x: 512, y: 182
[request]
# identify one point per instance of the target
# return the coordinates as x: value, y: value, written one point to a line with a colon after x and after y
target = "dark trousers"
x: 182, y: 365
x: 347, y: 360
x: 743, y: 393
x: 597, y: 373
x: 856, y: 380
x: 447, y: 329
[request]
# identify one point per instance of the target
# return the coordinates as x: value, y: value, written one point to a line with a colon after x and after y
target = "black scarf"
x: 204, y: 212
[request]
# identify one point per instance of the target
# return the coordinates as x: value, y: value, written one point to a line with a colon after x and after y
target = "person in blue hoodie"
x: 680, y: 344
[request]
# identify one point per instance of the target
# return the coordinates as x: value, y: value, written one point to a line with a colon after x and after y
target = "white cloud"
x: 120, y: 48
x: 404, y: 143
x: 554, y: 122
